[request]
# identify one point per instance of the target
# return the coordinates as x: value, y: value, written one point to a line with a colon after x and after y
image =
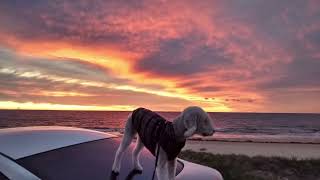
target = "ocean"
x: 248, y: 127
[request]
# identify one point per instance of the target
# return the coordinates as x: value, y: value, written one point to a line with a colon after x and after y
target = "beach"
x: 287, y: 150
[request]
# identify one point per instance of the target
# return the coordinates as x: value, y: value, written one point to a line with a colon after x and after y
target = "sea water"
x: 254, y: 127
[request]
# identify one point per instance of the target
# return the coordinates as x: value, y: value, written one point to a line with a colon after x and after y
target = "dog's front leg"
x: 172, y: 168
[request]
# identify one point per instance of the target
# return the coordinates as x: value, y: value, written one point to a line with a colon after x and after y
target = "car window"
x: 91, y: 160
x: 3, y: 177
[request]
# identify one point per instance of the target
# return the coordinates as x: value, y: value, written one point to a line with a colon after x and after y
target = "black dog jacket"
x: 154, y: 129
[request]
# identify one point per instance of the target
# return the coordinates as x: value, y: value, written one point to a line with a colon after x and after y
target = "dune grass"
x: 241, y: 167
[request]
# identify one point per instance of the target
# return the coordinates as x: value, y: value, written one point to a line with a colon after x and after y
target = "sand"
x: 288, y: 150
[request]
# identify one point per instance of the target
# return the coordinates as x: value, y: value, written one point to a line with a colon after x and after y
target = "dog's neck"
x: 179, y: 128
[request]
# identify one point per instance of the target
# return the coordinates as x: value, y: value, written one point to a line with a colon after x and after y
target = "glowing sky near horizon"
x: 235, y: 55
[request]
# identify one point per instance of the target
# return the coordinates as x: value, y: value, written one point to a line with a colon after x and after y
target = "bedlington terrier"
x: 155, y: 133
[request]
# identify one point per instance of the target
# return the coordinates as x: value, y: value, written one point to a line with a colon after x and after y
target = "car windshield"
x: 91, y: 160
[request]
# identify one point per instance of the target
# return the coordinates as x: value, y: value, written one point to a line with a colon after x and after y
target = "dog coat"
x: 154, y: 129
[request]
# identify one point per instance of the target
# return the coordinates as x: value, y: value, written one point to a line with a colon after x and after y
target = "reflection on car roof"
x: 26, y: 141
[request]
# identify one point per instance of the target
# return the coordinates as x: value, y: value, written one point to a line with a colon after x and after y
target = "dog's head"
x: 197, y: 121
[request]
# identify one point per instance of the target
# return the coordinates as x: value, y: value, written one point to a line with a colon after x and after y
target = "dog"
x: 161, y: 137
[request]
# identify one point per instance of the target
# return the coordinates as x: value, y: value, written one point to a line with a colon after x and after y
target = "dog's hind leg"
x: 136, y: 155
x: 128, y: 135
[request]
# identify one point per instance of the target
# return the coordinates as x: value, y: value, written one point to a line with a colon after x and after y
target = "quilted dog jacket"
x: 153, y: 129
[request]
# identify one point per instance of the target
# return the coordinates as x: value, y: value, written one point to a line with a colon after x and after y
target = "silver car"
x: 53, y: 152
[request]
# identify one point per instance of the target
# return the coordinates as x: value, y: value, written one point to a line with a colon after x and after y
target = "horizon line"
x: 258, y: 112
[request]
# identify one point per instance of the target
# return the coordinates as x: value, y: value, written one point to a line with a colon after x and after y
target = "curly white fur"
x: 193, y: 120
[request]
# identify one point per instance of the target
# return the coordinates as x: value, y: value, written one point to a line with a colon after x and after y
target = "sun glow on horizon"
x: 49, y: 106
x: 11, y: 105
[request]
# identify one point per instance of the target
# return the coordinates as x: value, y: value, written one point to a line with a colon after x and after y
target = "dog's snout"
x: 208, y: 133
x: 212, y: 132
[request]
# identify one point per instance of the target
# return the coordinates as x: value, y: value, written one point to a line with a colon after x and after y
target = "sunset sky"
x: 234, y: 55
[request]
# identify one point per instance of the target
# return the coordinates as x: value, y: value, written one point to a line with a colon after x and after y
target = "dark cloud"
x: 275, y: 19
x: 207, y: 88
x: 314, y: 37
x: 288, y: 25
x: 241, y: 100
x: 84, y: 21
x: 303, y: 72
x: 181, y: 57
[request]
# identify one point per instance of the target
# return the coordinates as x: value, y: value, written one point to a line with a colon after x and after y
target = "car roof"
x: 26, y: 141
x: 90, y: 160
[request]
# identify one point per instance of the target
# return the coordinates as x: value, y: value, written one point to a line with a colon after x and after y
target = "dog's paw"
x: 115, y: 168
x: 138, y: 167
x: 136, y: 171
x: 114, y: 173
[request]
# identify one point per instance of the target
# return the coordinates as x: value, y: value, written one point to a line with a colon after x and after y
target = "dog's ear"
x: 190, y: 124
